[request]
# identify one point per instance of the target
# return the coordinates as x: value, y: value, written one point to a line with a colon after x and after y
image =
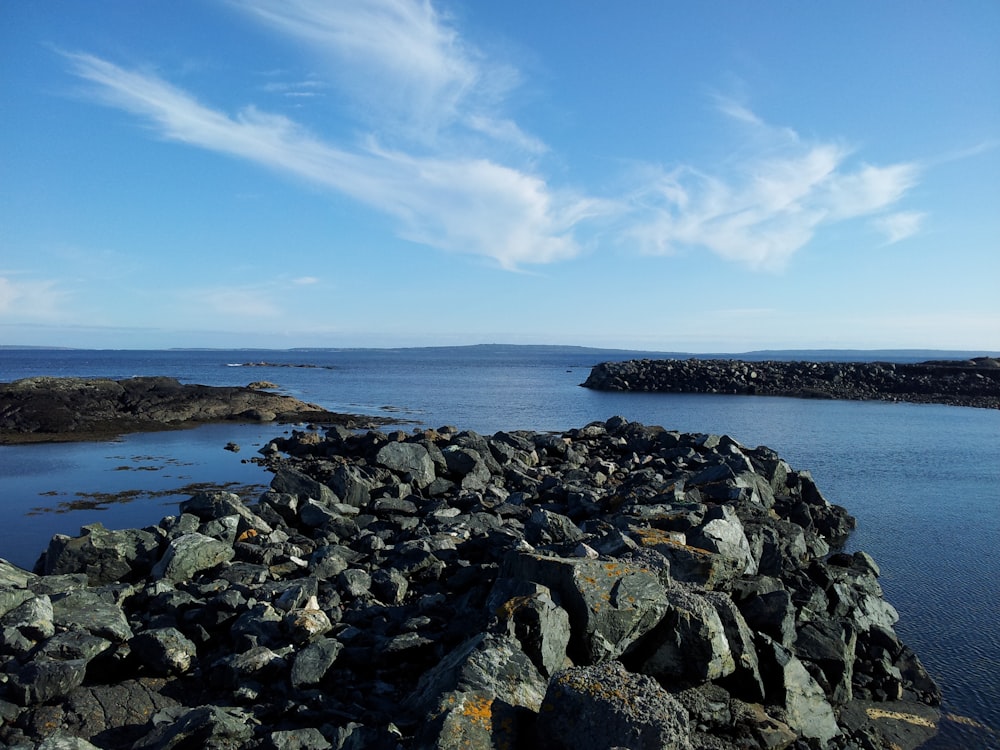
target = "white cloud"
x: 766, y: 206
x: 399, y: 57
x: 413, y: 74
x: 26, y: 300
x: 465, y: 205
x: 899, y: 226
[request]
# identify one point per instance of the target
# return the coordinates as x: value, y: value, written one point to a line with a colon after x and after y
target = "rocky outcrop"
x: 617, y: 585
x: 52, y: 409
x: 974, y: 382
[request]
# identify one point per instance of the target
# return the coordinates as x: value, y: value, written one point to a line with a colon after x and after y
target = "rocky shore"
x: 47, y: 409
x: 974, y: 382
x: 618, y: 585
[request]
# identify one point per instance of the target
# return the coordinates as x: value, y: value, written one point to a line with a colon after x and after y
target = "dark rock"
x: 959, y: 383
x: 442, y: 589
x: 312, y: 663
x: 165, y: 651
x: 209, y: 727
x: 105, y: 556
x: 190, y: 554
x: 603, y: 706
x: 47, y: 408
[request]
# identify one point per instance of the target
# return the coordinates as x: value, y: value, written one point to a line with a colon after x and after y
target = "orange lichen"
x: 479, y: 711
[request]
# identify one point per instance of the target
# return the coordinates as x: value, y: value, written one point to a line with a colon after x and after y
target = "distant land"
x: 814, y: 355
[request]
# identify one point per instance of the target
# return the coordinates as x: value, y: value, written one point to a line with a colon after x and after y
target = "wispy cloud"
x: 400, y: 58
x: 456, y: 172
x: 461, y: 204
x: 899, y: 226
x: 765, y: 207
x: 28, y: 300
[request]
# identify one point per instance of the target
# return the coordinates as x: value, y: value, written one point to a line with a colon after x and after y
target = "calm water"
x: 923, y: 480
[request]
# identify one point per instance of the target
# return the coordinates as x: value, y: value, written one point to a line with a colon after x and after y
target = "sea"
x: 923, y: 480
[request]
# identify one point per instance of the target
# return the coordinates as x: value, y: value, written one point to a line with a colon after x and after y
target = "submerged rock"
x: 614, y: 585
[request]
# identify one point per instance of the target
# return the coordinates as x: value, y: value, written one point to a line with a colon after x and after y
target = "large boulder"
x: 611, y: 603
x: 603, y: 706
x: 190, y: 554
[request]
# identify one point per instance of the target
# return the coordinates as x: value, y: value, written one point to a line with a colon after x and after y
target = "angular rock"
x: 409, y: 459
x: 189, y: 555
x: 311, y: 664
x: 209, y: 727
x: 165, y: 651
x: 602, y: 706
x: 105, y: 556
x: 789, y: 683
x: 610, y: 603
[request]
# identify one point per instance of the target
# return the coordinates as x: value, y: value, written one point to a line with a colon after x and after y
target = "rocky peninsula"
x: 616, y: 585
x: 974, y: 382
x: 48, y: 409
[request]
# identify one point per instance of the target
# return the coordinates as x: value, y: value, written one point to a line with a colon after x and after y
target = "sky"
x: 673, y: 176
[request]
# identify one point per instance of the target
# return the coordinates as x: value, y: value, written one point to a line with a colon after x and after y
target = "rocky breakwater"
x: 617, y: 585
x: 974, y: 382
x: 61, y: 409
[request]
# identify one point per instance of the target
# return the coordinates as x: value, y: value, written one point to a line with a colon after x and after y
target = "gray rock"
x: 293, y: 482
x: 308, y: 738
x: 105, y: 556
x: 540, y: 625
x: 389, y: 586
x: 546, y: 527
x: 350, y: 485
x: 33, y: 618
x: 65, y: 742
x: 603, y: 706
x: 98, y: 615
x: 722, y: 532
x: 610, y: 603
x: 831, y: 645
x: 689, y: 643
x: 208, y: 727
x: 773, y: 614
x: 788, y: 682
x: 190, y: 554
x: 45, y: 679
x: 409, y: 459
x: 490, y: 664
x: 165, y: 651
x: 311, y: 664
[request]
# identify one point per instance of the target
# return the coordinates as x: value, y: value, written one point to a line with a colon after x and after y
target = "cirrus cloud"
x: 766, y: 207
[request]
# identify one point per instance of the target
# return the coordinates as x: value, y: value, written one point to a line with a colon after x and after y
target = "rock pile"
x: 617, y: 585
x: 973, y: 382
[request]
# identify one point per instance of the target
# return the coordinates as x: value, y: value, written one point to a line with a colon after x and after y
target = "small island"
x: 49, y: 409
x: 974, y: 382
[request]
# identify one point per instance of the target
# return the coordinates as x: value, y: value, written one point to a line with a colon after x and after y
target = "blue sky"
x: 694, y: 176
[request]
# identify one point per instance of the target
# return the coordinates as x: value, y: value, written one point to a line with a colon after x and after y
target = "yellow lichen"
x: 881, y: 713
